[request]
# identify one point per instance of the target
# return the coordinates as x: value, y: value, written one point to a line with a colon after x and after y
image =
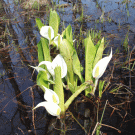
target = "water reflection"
x: 15, y: 104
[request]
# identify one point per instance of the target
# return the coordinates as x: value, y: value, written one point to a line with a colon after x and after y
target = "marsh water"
x: 19, y: 35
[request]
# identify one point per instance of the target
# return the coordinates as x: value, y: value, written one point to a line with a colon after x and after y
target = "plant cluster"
x: 65, y: 70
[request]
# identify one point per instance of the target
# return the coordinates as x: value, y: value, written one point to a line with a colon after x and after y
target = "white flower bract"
x: 101, y: 66
x: 56, y: 39
x: 58, y: 61
x: 44, y: 31
x: 51, y: 103
x: 51, y: 107
x: 50, y: 96
x: 38, y: 68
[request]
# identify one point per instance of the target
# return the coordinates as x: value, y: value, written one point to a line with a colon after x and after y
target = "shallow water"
x: 19, y: 37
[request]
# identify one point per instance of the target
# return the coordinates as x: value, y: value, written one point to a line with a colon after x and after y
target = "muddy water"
x: 18, y: 40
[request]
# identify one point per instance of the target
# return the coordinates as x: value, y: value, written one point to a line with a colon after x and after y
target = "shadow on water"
x: 18, y: 93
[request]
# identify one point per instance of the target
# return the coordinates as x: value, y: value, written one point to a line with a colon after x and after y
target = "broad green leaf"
x: 40, y: 53
x: 54, y: 21
x: 90, y: 52
x: 99, y: 52
x: 77, y: 66
x: 66, y: 50
x: 58, y: 88
x: 67, y: 34
x: 42, y: 79
x: 39, y: 23
x: 98, y: 44
x: 46, y: 50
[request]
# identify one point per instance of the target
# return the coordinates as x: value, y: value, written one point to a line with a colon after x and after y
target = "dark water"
x: 18, y: 92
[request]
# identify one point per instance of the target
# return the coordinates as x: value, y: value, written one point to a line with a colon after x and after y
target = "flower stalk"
x: 74, y: 95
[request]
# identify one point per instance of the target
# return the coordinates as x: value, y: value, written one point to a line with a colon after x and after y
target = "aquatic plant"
x: 66, y: 65
x: 100, y: 68
x: 58, y: 61
x: 51, y: 103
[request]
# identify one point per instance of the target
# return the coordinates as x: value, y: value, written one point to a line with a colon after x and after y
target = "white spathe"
x: 101, y: 66
x: 51, y: 103
x: 44, y: 31
x: 50, y: 95
x: 58, y: 61
x: 56, y: 39
x: 51, y: 107
x: 38, y: 68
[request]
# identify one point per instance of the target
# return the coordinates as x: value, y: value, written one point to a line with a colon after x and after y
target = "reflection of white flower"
x: 51, y: 103
x: 44, y: 31
x: 58, y: 61
x: 101, y: 66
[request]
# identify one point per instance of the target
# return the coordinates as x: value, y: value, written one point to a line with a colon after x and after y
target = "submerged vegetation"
x: 69, y: 87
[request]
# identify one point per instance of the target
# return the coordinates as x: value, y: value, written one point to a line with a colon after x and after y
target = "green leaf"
x: 101, y: 85
x: 58, y: 88
x: 54, y: 21
x: 67, y: 34
x: 71, y: 87
x: 42, y: 79
x: 98, y: 44
x: 90, y: 52
x: 115, y: 90
x: 40, y: 53
x: 43, y: 46
x: 51, y: 82
x: 77, y: 66
x: 99, y: 125
x: 99, y: 52
x: 49, y: 33
x: 46, y: 50
x: 67, y: 50
x: 39, y: 23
